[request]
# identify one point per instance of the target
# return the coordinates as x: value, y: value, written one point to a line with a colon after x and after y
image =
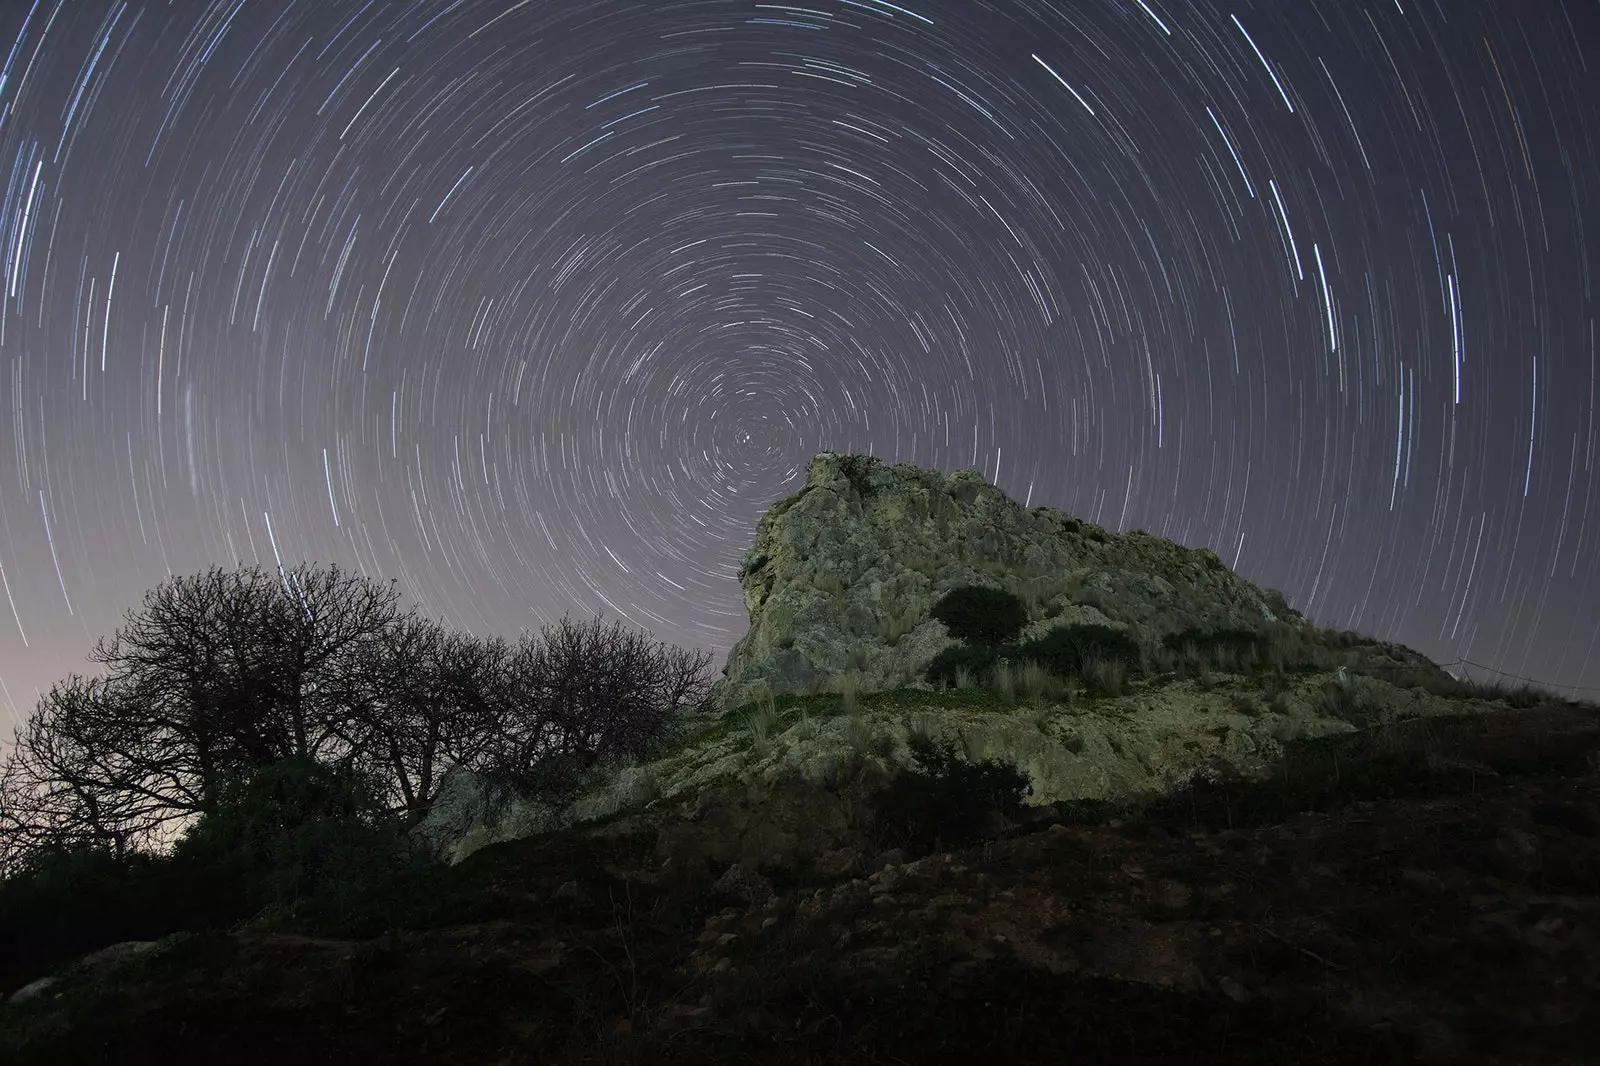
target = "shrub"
x: 946, y: 800
x: 293, y: 830
x: 975, y: 660
x: 980, y: 615
x: 60, y: 902
x: 1352, y: 699
x: 1067, y: 650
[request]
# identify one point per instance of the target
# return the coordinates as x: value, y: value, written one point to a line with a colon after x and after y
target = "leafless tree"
x: 229, y: 671
x: 215, y: 674
x: 581, y: 692
x: 420, y: 699
x: 87, y: 770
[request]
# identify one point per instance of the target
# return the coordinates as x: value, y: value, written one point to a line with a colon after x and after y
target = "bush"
x: 983, y: 616
x: 1069, y: 650
x: 61, y: 902
x: 296, y: 830
x: 946, y: 800
x: 976, y: 661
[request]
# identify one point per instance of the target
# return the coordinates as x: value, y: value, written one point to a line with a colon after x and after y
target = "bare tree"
x: 582, y: 692
x: 215, y: 674
x: 422, y: 698
x: 229, y: 671
x: 88, y: 769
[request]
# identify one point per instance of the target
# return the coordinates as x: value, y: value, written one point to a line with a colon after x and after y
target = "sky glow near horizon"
x: 536, y: 307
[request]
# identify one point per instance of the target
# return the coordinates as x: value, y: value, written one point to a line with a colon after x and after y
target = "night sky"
x: 537, y: 306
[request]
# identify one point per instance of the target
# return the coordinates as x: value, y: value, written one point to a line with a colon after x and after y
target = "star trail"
x: 537, y: 306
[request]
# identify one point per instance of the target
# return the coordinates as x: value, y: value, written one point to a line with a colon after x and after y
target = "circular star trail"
x: 536, y: 306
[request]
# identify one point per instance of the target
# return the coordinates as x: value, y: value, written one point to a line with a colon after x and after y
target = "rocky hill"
x: 1149, y: 813
x: 843, y: 575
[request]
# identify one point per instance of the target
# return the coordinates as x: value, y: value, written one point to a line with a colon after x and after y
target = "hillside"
x: 1211, y: 833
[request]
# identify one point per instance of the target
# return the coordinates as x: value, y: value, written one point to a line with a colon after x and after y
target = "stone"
x: 745, y: 885
x: 841, y: 577
x: 33, y: 989
x: 104, y: 958
x: 472, y: 811
x: 116, y: 953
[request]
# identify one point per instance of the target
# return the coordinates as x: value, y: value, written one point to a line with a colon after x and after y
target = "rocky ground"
x: 1427, y: 894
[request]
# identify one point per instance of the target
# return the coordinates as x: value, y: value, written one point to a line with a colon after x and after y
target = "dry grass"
x: 849, y: 689
x: 1040, y: 684
x: 1105, y: 677
x: 760, y: 721
x: 891, y: 627
x: 1005, y: 682
x: 856, y: 731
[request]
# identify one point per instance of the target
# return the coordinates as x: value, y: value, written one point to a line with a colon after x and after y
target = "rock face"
x: 842, y: 576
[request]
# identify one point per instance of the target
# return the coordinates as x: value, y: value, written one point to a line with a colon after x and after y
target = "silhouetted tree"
x: 221, y: 674
x: 216, y: 673
x: 580, y: 692
x: 422, y: 698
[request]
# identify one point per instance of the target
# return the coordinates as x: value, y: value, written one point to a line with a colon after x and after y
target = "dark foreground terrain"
x: 1425, y: 893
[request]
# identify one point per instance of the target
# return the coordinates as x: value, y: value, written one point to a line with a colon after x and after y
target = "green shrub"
x: 61, y: 902
x: 296, y: 830
x: 980, y: 615
x: 977, y: 661
x: 1068, y: 650
x: 947, y: 800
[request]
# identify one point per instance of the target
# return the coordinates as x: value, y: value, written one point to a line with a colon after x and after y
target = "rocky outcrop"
x: 842, y: 575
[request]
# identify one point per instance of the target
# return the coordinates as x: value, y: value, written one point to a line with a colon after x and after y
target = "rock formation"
x: 840, y: 582
x: 842, y: 576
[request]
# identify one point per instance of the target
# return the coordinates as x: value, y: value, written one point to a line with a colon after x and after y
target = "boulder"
x: 34, y: 989
x: 842, y: 576
x: 471, y: 811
